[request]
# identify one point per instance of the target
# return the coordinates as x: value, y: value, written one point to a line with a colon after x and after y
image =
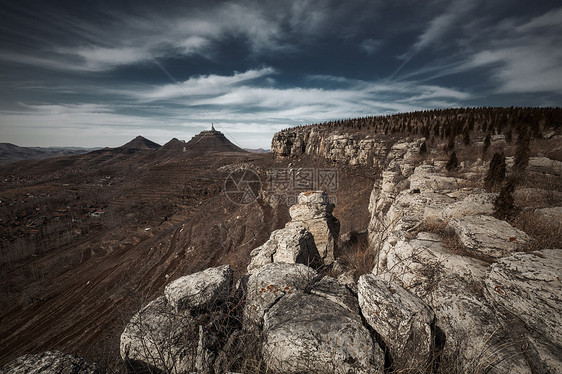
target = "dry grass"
x: 356, y: 254
x: 451, y: 240
x: 544, y: 234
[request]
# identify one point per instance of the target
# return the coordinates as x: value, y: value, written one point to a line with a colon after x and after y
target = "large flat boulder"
x: 270, y: 283
x: 488, y: 236
x: 200, y: 289
x: 471, y: 205
x: 426, y: 179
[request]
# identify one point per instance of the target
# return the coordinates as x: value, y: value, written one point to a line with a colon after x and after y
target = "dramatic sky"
x: 99, y: 73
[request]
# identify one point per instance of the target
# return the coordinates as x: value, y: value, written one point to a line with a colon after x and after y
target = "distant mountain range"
x: 12, y: 153
x: 204, y: 143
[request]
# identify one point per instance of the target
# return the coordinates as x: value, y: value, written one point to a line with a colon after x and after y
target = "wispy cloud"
x: 370, y: 46
x: 243, y: 103
x: 442, y: 24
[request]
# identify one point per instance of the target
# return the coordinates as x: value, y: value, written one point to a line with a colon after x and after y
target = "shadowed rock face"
x: 51, y: 362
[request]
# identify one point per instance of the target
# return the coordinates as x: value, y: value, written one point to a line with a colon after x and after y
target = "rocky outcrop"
x: 552, y: 215
x: 308, y: 323
x: 293, y: 244
x: 159, y: 337
x: 403, y: 320
x: 431, y: 232
x: 168, y: 334
x: 50, y: 362
x: 309, y: 333
x: 545, y: 165
x: 314, y: 212
x: 268, y: 284
x: 310, y: 238
x: 352, y: 149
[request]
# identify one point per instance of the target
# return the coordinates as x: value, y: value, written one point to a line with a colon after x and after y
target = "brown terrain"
x: 86, y: 240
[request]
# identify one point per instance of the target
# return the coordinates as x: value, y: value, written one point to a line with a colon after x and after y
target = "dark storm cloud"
x: 105, y: 72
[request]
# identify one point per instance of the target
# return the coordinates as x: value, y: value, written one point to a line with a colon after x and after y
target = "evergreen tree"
x: 504, y: 205
x: 466, y: 136
x: 453, y: 162
x: 487, y: 142
x: 496, y: 171
x: 522, y: 152
x: 423, y: 149
x: 451, y: 144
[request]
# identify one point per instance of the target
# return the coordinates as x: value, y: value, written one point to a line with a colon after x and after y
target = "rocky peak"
x: 309, y: 238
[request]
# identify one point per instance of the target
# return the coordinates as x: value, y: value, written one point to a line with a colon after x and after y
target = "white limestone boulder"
x: 427, y: 178
x: 488, y: 236
x: 199, y: 289
x: 268, y: 284
x: 528, y: 287
x: 160, y: 337
x: 307, y: 333
x: 292, y: 244
x: 471, y: 205
x: 403, y: 320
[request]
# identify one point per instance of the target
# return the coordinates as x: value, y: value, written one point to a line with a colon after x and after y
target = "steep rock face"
x: 308, y: 323
x: 353, y: 149
x: 50, y: 362
x: 403, y: 320
x: 404, y: 204
x: 395, y: 179
x: 452, y: 285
